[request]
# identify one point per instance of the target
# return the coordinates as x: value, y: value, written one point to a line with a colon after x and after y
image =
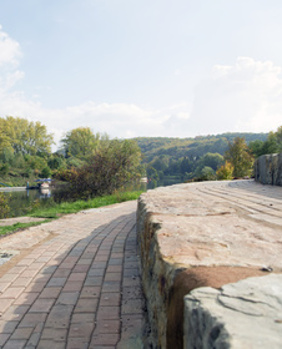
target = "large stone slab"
x: 246, y: 314
x: 204, y: 234
x: 268, y: 169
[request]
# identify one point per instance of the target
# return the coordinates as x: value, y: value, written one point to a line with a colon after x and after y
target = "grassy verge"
x: 73, y: 207
x: 57, y: 210
x: 19, y: 226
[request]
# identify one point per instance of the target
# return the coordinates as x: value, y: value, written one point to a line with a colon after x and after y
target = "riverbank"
x: 9, y: 189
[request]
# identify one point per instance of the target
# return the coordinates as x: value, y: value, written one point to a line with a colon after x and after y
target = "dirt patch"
x: 11, y: 221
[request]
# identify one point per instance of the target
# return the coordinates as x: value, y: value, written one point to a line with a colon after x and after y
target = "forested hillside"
x: 173, y: 160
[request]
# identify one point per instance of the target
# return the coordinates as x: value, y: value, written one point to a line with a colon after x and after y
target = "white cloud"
x: 9, y: 50
x: 244, y: 97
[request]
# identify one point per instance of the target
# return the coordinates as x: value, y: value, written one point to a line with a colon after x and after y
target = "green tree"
x: 279, y: 139
x: 225, y: 172
x: 240, y: 157
x: 81, y: 142
x: 46, y: 172
x: 23, y: 136
x: 270, y: 146
x: 256, y: 148
x: 213, y: 160
x: 110, y: 168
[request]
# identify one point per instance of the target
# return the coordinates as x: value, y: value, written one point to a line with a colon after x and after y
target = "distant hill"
x: 197, y: 146
x: 173, y: 160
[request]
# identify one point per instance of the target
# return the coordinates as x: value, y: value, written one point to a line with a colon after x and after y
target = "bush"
x: 4, y: 207
x: 225, y: 171
x: 112, y: 167
x: 46, y: 172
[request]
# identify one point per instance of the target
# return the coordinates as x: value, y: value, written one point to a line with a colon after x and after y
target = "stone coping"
x: 204, y: 234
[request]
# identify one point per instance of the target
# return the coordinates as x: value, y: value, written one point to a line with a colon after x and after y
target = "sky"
x: 149, y: 68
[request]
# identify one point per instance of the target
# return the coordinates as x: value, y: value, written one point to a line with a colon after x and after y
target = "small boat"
x: 44, y: 182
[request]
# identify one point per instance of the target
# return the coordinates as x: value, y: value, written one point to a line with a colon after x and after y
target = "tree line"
x: 93, y: 164
x: 225, y: 156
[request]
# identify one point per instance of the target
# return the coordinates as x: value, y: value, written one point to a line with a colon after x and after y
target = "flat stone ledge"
x: 203, y: 235
x: 246, y: 314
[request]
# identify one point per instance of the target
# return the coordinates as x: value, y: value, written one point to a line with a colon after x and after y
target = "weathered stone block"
x: 268, y: 169
x: 246, y: 314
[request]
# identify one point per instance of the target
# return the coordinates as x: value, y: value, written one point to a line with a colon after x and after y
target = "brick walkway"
x: 80, y: 288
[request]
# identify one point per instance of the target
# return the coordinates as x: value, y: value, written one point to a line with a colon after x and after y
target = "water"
x: 21, y: 202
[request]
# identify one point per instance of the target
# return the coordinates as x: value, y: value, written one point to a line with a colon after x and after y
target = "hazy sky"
x: 143, y: 68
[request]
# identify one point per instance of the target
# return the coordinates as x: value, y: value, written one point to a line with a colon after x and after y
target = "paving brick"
x: 26, y: 262
x: 26, y: 298
x: 4, y: 286
x: 22, y: 333
x: 114, y: 269
x: 8, y: 327
x: 50, y: 292
x: 86, y: 305
x: 15, y: 344
x: 72, y: 286
x: 83, y: 268
x: 17, y: 270
x: 77, y: 277
x: 113, y: 277
x: 48, y: 344
x: 96, y: 272
x: 32, y: 320
x: 77, y: 343
x: 111, y: 286
x: 57, y: 282
x: 12, y: 292
x: 42, y: 305
x: 8, y: 278
x: 104, y: 339
x: 61, y: 273
x: 108, y: 326
x: 69, y: 298
x: 56, y: 334
x: 86, y: 261
x: 3, y: 338
x: 59, y: 316
x: 110, y: 299
x: 5, y: 304
x: 81, y: 330
x: 108, y: 313
x: 15, y: 312
x: 82, y: 318
x: 90, y: 292
x: 93, y: 281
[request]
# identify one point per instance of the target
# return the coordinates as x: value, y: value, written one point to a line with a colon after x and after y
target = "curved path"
x: 74, y: 283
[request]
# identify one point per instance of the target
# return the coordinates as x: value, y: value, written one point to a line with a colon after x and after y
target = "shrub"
x: 225, y: 171
x: 4, y: 207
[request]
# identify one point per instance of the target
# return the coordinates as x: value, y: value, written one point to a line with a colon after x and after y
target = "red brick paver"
x: 79, y: 289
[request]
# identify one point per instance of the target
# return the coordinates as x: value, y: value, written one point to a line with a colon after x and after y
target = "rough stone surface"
x: 203, y: 234
x: 246, y: 314
x: 268, y: 169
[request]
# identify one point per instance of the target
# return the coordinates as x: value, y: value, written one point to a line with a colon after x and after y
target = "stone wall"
x: 268, y: 169
x: 246, y: 314
x: 195, y: 236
